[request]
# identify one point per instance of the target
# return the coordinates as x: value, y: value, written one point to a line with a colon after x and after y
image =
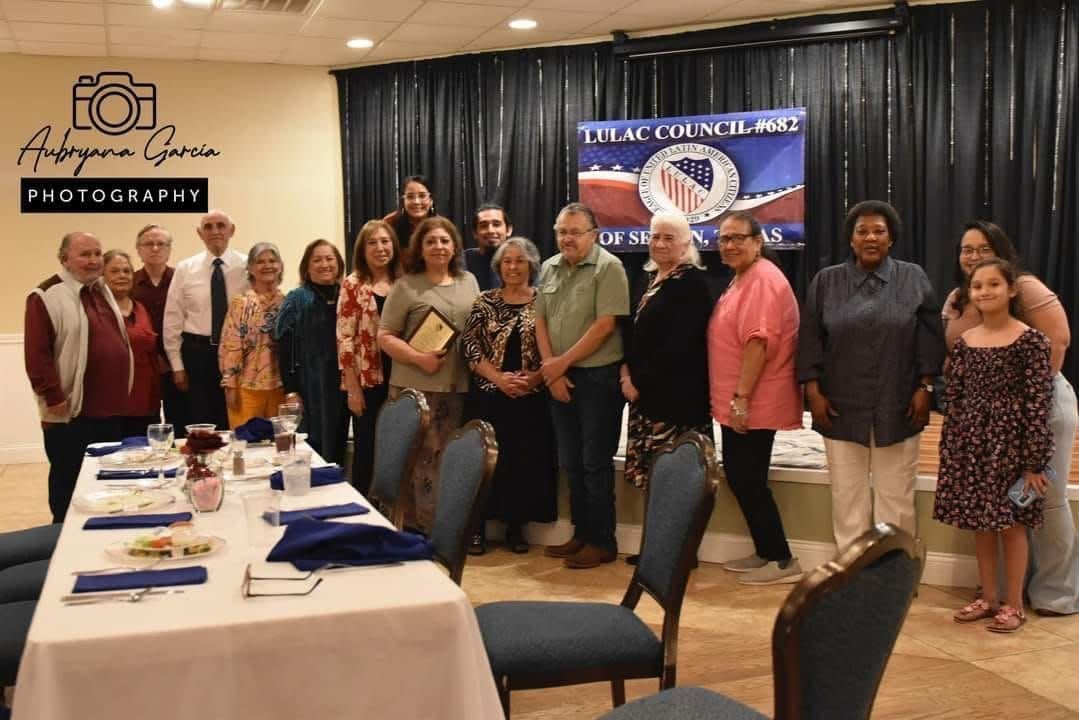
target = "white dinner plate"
x: 115, y: 501
x: 138, y: 459
x: 124, y: 551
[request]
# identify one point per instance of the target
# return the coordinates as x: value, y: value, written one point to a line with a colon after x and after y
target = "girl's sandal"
x: 977, y: 610
x: 1007, y: 620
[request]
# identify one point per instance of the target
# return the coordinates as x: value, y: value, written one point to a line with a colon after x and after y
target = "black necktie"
x: 219, y: 301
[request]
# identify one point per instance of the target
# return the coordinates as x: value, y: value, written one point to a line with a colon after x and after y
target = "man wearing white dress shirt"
x: 194, y: 312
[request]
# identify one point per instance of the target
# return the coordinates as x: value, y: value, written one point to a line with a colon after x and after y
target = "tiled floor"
x: 939, y: 669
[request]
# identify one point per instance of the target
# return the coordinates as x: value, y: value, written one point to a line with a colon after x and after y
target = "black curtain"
x: 972, y: 111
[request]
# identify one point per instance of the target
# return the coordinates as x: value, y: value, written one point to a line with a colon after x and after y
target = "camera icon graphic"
x: 113, y: 103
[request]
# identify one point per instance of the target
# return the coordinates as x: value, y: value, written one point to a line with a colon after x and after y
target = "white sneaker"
x: 774, y: 573
x: 744, y: 565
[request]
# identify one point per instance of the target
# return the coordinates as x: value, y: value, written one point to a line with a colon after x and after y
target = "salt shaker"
x: 238, y: 467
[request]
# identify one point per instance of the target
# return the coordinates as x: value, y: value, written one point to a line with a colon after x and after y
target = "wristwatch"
x: 928, y: 387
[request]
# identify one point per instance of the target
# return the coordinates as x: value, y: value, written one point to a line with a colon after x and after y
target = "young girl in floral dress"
x: 996, y: 429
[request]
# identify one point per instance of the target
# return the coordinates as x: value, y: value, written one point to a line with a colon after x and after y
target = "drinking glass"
x: 290, y: 413
x: 282, y: 436
x: 160, y: 436
x: 296, y: 473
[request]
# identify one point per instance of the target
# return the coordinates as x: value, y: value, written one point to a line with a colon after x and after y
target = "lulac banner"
x: 700, y: 166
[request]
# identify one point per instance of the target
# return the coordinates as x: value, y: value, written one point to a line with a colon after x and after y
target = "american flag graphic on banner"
x: 687, y: 182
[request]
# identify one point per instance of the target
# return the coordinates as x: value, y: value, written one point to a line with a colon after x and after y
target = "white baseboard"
x: 940, y: 568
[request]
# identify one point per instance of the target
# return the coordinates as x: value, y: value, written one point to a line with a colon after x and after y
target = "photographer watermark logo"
x: 116, y: 105
x: 113, y: 103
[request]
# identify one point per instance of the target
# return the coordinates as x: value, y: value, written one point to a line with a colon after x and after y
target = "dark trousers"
x: 175, y: 402
x: 587, y: 430
x: 65, y: 445
x: 363, y: 437
x: 206, y: 399
x: 746, y: 459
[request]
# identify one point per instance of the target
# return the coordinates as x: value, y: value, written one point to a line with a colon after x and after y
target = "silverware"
x: 117, y: 568
x: 132, y: 596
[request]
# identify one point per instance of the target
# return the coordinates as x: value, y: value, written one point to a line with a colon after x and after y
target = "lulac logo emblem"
x: 696, y: 180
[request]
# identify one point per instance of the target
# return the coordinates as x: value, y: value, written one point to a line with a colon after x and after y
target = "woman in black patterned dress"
x: 996, y: 430
x: 500, y: 345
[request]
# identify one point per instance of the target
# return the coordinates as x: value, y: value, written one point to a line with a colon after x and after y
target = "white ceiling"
x: 313, y: 32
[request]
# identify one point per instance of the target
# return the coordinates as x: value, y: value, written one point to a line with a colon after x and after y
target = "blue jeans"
x: 587, y: 429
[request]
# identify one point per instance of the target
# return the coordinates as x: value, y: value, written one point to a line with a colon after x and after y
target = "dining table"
x: 398, y: 640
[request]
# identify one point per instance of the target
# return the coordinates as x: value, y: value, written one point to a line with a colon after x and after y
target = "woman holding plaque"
x: 419, y: 328
x: 364, y: 370
x: 500, y: 346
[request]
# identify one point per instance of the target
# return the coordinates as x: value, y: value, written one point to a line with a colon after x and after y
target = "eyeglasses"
x: 734, y: 238
x: 983, y: 251
x: 574, y: 233
x: 154, y: 244
x: 245, y: 588
x: 417, y: 196
x: 864, y: 233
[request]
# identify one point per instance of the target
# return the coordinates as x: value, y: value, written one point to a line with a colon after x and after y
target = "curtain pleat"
x: 971, y: 112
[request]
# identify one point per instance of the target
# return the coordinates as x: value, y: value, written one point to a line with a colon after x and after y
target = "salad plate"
x: 122, y: 500
x: 163, y: 545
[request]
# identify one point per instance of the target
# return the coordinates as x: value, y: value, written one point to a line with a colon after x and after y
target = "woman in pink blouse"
x: 1053, y: 586
x: 364, y: 370
x: 752, y: 338
x: 247, y: 353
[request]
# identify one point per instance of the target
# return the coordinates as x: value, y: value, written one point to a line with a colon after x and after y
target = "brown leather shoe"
x: 589, y: 556
x: 564, y: 550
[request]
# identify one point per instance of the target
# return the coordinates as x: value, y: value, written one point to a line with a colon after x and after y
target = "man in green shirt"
x: 582, y: 292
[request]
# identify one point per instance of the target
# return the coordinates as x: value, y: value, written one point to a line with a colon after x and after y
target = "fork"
x: 132, y: 597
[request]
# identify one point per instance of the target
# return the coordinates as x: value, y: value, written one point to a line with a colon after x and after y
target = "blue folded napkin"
x: 319, y: 476
x: 310, y: 544
x: 256, y: 429
x: 132, y: 474
x: 140, y: 579
x: 322, y: 512
x: 120, y: 522
x: 109, y: 449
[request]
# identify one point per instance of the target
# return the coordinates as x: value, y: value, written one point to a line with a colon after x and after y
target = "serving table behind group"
x: 392, y: 641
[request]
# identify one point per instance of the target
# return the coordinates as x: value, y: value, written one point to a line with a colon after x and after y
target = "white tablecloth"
x: 381, y: 642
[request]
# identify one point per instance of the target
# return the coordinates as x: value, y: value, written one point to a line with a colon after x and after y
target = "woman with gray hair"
x: 247, y: 352
x: 500, y: 346
x: 665, y: 373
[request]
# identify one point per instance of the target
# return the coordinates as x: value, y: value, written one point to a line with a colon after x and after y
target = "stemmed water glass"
x: 160, y: 436
x: 290, y: 414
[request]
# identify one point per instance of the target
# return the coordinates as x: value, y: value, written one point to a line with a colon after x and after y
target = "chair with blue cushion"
x: 548, y: 644
x: 29, y: 545
x: 465, y: 471
x: 831, y: 641
x: 399, y: 433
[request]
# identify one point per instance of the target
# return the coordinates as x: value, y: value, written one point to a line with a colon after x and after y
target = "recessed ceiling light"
x: 360, y: 43
x: 161, y: 3
x: 199, y: 3
x: 522, y: 24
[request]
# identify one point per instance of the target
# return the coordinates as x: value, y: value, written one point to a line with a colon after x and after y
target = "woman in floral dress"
x: 247, y: 353
x: 996, y: 431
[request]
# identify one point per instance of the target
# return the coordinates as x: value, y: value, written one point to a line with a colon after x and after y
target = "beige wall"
x: 278, y: 175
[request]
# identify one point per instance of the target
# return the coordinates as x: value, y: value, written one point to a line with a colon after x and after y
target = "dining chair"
x: 15, y: 620
x: 399, y: 432
x: 465, y: 471
x: 537, y: 644
x: 830, y: 643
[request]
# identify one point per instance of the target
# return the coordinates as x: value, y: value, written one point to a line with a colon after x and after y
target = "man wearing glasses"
x: 154, y: 245
x: 581, y: 293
